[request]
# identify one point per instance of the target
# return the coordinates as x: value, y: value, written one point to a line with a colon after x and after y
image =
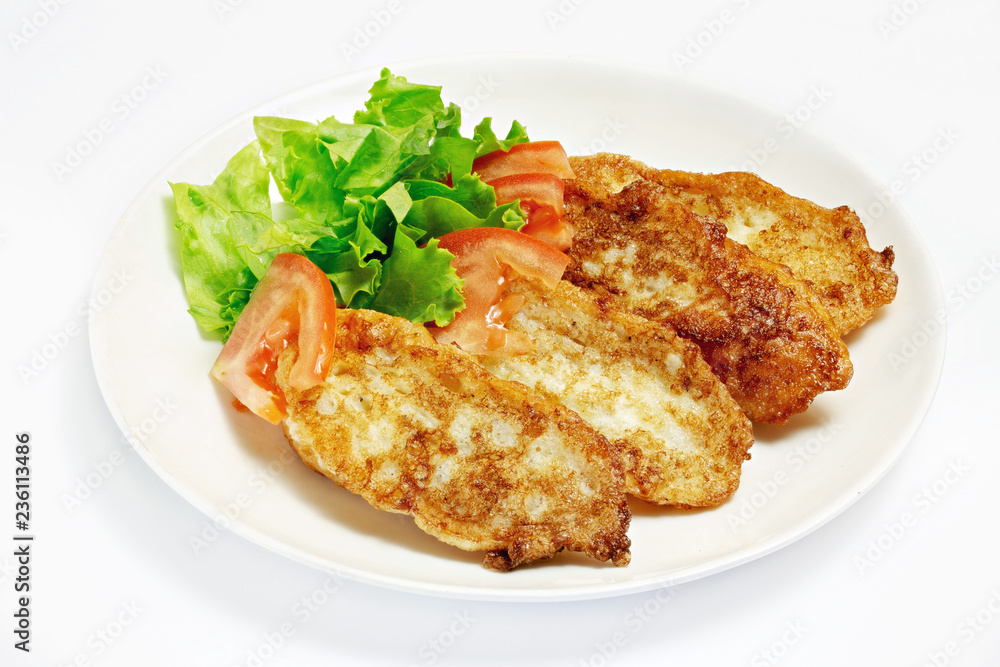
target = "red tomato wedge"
x: 541, y: 199
x: 533, y: 157
x: 533, y: 173
x: 483, y: 258
x: 293, y: 301
x: 541, y: 188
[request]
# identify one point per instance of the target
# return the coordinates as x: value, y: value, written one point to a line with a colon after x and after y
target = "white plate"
x: 152, y: 363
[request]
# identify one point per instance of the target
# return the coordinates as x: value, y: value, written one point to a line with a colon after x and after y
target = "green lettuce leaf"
x: 351, y: 261
x: 215, y: 221
x: 302, y: 168
x: 363, y: 200
x: 419, y: 283
x: 487, y: 139
x: 438, y: 209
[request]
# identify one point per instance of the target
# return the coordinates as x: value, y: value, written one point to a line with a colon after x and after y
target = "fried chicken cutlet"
x: 827, y: 248
x: 682, y: 437
x: 481, y: 463
x: 765, y: 333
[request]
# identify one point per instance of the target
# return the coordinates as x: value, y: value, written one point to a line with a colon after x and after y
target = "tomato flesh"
x: 546, y: 225
x: 293, y: 302
x: 541, y: 199
x: 533, y: 173
x: 533, y: 157
x: 541, y: 188
x: 484, y: 257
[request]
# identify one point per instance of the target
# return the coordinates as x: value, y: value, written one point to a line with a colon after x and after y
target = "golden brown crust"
x: 765, y: 333
x: 480, y: 463
x: 683, y: 438
x: 827, y: 248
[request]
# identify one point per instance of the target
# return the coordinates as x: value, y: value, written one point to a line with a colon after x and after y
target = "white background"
x: 114, y: 579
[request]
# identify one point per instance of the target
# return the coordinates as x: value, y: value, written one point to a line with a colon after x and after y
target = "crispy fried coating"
x: 480, y: 463
x: 683, y: 438
x: 828, y: 248
x: 764, y: 333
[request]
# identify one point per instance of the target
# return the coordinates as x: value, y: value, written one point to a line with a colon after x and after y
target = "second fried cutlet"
x: 481, y: 463
x: 682, y: 437
x: 828, y: 248
x: 765, y: 333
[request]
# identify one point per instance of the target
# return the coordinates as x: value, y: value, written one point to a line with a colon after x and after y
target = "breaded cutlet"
x: 481, y: 463
x: 765, y: 333
x: 648, y: 391
x: 826, y: 247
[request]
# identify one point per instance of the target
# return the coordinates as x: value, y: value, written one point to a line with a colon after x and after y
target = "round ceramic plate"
x: 152, y: 363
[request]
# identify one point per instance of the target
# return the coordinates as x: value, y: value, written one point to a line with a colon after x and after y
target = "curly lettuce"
x: 363, y: 200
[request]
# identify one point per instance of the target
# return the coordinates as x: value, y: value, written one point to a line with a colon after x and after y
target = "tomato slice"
x: 548, y: 226
x: 533, y: 157
x: 541, y: 199
x: 532, y: 172
x: 293, y: 301
x: 542, y: 188
x: 483, y: 258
